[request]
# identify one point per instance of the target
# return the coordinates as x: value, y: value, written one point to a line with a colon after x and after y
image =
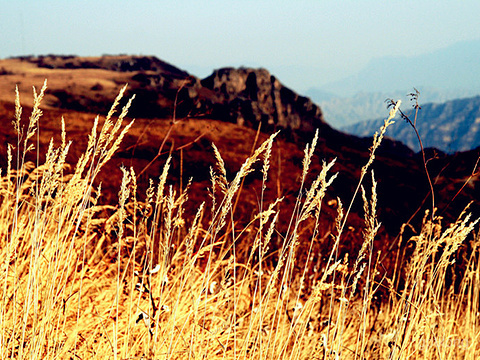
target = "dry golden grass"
x: 139, y: 280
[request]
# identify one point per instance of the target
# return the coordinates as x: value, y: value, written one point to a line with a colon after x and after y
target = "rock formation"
x: 250, y: 96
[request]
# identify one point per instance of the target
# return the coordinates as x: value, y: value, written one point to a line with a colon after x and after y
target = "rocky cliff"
x: 252, y: 96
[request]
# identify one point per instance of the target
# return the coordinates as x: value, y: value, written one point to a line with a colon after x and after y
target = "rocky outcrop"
x: 244, y: 96
x: 250, y: 96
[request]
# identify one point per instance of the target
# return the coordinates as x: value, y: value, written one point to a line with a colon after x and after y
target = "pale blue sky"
x: 304, y: 43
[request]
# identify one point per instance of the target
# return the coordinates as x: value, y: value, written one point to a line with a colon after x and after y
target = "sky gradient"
x: 305, y: 43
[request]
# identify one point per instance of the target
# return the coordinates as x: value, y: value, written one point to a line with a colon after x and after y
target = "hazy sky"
x: 305, y: 43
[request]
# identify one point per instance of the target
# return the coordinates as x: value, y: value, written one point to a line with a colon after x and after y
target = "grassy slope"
x: 223, y: 296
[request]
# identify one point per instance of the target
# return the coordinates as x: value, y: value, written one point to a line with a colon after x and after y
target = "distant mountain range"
x: 453, y: 67
x: 341, y: 112
x: 450, y: 126
x: 446, y: 74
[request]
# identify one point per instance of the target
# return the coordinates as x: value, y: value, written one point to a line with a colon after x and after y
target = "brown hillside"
x: 80, y: 84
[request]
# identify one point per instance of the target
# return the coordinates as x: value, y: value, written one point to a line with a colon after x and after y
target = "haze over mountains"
x: 446, y: 74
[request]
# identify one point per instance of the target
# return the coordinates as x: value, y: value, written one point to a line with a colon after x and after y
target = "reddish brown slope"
x: 402, y: 182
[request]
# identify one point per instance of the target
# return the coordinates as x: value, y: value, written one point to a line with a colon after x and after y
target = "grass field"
x: 141, y: 280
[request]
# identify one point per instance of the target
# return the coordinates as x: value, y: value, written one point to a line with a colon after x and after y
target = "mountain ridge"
x: 457, y: 64
x: 450, y: 73
x: 363, y: 106
x: 243, y: 95
x: 451, y: 126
